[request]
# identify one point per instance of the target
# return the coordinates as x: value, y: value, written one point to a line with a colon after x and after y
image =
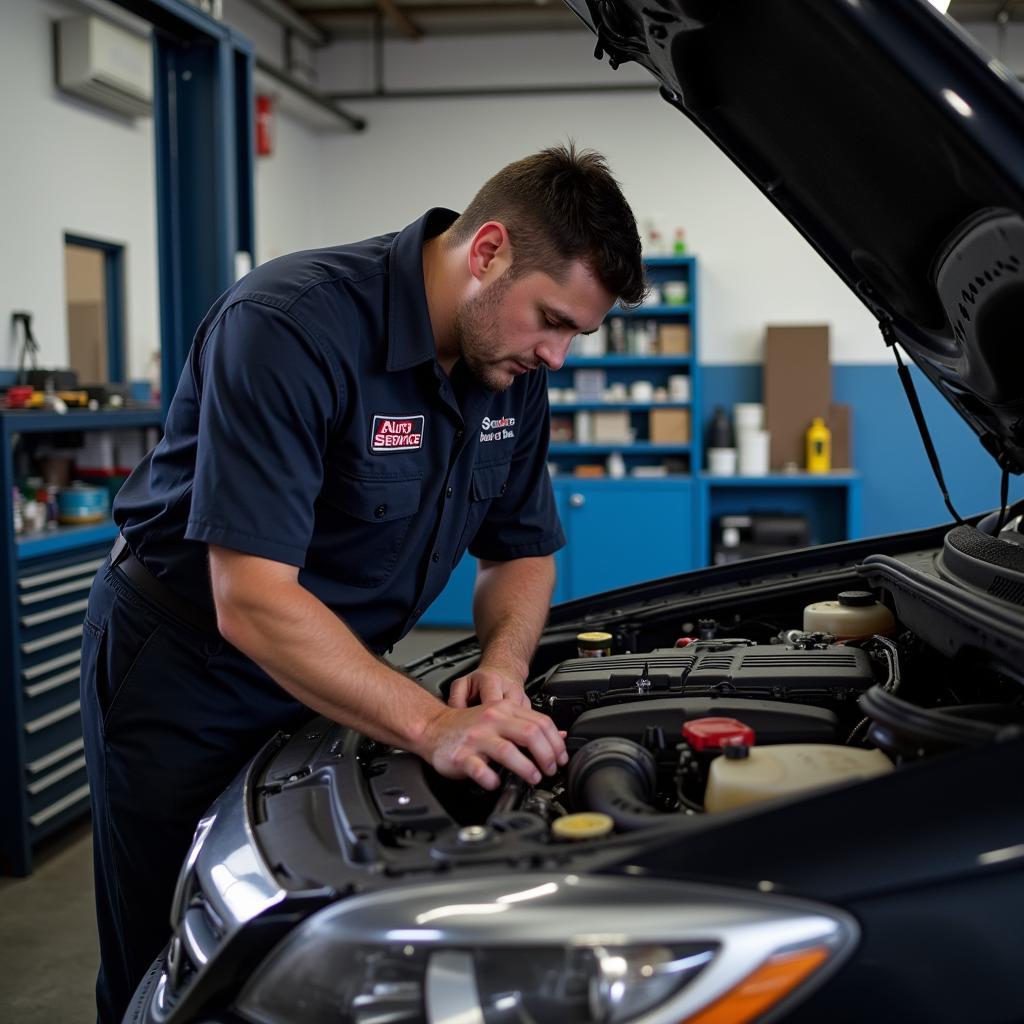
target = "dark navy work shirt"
x: 313, y: 425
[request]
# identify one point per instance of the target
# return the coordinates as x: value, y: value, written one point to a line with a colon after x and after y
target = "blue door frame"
x: 203, y: 123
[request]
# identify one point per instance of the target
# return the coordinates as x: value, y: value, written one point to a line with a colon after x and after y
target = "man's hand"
x: 463, y: 742
x: 484, y: 686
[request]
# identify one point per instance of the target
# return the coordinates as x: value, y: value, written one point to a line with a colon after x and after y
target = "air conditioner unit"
x: 105, y: 64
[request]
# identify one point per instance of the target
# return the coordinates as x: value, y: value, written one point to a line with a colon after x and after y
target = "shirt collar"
x: 410, y: 338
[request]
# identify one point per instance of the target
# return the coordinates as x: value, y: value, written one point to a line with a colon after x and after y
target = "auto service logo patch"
x: 497, y: 429
x: 396, y: 434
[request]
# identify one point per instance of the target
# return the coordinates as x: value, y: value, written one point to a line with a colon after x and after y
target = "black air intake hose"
x: 616, y: 777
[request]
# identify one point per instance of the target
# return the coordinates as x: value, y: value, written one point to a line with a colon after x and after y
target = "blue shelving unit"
x: 44, y: 589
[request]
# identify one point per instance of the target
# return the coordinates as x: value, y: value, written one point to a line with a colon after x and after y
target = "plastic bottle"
x: 819, y: 447
x: 679, y: 243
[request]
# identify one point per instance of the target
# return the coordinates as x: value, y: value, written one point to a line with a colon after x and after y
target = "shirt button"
x: 435, y: 557
x: 458, y: 435
x: 448, y: 493
x: 380, y: 510
x: 504, y: 488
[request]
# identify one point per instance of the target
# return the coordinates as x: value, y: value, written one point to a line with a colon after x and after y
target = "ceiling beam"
x: 405, y: 24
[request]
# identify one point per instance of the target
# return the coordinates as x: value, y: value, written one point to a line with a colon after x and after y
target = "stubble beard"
x: 478, y: 335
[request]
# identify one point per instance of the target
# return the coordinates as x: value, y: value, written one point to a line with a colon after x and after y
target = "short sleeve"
x: 523, y: 522
x: 268, y: 398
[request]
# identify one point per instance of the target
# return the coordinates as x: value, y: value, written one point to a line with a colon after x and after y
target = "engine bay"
x: 689, y: 714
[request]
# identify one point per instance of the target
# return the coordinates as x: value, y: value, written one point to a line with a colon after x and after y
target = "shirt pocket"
x: 489, y: 482
x: 367, y: 520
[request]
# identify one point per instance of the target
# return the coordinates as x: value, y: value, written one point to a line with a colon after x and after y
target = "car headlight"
x: 545, y: 949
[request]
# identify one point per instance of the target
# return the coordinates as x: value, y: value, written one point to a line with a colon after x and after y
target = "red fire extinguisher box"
x: 264, y: 125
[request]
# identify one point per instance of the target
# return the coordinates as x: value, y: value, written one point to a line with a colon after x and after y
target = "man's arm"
x: 510, y: 606
x: 267, y: 614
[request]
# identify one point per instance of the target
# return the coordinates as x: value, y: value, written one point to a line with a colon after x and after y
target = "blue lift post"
x: 203, y: 121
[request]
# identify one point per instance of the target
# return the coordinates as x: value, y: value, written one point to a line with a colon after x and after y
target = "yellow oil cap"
x: 586, y: 825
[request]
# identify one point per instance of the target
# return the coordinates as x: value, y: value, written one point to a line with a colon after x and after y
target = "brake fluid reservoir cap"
x: 714, y: 733
x: 585, y: 825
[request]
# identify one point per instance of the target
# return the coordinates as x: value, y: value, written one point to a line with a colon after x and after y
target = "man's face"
x: 514, y: 325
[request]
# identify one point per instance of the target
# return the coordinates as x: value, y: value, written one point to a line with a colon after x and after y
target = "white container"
x: 583, y: 427
x: 754, y: 447
x: 679, y: 387
x: 722, y: 461
x: 675, y: 292
x: 615, y: 464
x: 854, y: 616
x: 787, y: 768
x: 641, y: 391
x: 748, y: 416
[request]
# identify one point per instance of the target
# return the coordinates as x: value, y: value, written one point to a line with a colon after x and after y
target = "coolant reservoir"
x: 854, y: 616
x: 745, y: 775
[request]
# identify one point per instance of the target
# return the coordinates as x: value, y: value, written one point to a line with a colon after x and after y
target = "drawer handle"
x: 58, y: 715
x: 71, y: 658
x: 51, y: 640
x: 577, y: 501
x: 35, y: 788
x: 40, y: 764
x: 61, y: 805
x: 59, y: 591
x: 60, y: 574
x: 46, y: 685
x: 54, y: 613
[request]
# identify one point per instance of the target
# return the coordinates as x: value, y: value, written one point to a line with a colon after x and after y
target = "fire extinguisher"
x: 264, y: 125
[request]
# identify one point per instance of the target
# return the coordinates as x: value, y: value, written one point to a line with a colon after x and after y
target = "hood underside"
x: 891, y: 142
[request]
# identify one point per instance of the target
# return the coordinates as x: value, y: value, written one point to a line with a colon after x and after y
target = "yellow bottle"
x: 819, y: 447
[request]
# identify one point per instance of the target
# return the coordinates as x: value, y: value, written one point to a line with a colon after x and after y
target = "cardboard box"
x: 669, y: 426
x: 673, y: 339
x: 797, y: 387
x: 611, y: 426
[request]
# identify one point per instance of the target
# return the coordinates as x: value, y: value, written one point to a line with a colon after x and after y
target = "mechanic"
x: 349, y: 422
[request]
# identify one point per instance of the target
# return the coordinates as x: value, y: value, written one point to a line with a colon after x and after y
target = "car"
x: 795, y: 783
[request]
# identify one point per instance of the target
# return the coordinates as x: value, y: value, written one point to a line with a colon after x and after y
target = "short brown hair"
x: 559, y: 206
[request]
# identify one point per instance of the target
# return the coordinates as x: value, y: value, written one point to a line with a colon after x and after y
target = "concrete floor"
x: 48, y: 947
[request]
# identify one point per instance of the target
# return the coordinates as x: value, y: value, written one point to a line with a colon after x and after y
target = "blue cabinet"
x: 623, y: 531
x: 45, y: 583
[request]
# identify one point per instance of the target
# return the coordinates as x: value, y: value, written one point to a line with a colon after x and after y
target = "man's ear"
x: 490, y: 251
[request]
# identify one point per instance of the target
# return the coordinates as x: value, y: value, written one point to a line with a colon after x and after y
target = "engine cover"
x: 827, y: 677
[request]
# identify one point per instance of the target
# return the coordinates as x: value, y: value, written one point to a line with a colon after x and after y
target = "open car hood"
x: 894, y: 145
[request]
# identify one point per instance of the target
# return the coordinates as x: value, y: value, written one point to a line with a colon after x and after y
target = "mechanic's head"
x: 552, y: 244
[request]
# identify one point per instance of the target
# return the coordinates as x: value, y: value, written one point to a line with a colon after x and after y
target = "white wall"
x: 754, y: 268
x: 66, y: 167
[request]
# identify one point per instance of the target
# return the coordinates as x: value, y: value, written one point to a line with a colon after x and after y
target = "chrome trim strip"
x: 62, y: 804
x: 64, y: 588
x: 53, y: 682
x: 51, y: 639
x: 36, y: 619
x: 79, y: 569
x: 40, y: 764
x: 45, y: 721
x: 70, y: 658
x: 63, y: 772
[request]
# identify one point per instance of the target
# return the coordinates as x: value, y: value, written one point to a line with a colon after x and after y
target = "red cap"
x: 714, y: 733
x: 685, y: 641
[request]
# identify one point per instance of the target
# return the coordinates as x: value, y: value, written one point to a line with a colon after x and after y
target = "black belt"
x: 157, y: 593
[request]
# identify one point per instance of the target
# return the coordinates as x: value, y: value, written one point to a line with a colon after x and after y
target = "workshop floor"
x: 48, y: 943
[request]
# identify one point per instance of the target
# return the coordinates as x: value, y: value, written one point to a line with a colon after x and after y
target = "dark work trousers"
x: 170, y: 716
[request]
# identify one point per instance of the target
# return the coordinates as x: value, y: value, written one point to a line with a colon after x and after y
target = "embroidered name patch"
x: 497, y: 429
x: 396, y: 433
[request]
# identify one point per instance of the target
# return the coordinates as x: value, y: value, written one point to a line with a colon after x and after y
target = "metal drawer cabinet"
x: 48, y: 603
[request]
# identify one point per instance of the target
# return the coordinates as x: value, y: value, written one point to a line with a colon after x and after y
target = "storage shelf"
x: 64, y: 538
x: 615, y: 361
x: 654, y: 262
x: 632, y: 406
x: 31, y: 421
x: 626, y: 447
x: 840, y: 478
x: 662, y: 309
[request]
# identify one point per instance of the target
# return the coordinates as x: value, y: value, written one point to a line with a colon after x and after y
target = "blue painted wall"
x: 898, y: 488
